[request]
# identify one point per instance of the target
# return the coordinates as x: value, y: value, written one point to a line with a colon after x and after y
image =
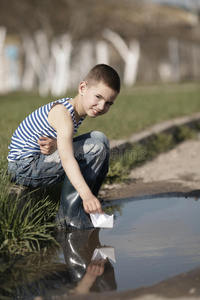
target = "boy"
x: 43, y: 151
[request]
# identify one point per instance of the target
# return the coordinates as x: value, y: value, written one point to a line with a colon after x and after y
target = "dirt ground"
x: 175, y: 172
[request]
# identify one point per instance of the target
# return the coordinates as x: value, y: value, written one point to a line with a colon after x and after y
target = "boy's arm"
x: 60, y: 120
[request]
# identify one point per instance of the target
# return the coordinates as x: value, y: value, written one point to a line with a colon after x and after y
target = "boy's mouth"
x: 95, y: 112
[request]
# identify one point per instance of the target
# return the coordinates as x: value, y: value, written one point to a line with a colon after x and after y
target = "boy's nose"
x: 101, y: 105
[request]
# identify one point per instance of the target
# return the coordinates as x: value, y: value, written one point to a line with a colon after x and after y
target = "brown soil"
x: 174, y: 172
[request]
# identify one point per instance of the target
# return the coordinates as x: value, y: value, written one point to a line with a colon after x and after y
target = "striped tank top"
x: 24, y: 140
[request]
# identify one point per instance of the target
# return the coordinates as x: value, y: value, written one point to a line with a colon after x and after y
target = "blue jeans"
x: 91, y: 151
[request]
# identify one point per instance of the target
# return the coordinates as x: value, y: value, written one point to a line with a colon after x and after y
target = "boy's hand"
x: 96, y: 267
x: 47, y: 145
x: 92, y: 206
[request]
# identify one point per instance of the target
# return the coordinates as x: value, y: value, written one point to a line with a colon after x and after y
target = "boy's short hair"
x: 103, y: 73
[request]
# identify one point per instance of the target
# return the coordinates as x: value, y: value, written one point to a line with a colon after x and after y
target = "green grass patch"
x: 26, y: 220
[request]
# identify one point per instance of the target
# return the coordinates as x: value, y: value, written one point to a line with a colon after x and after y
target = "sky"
x: 189, y: 4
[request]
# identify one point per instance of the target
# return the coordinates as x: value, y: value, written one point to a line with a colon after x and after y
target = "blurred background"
x: 49, y: 45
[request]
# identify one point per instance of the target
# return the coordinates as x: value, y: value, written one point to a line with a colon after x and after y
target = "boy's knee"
x: 97, y: 149
x: 102, y: 137
x: 94, y: 147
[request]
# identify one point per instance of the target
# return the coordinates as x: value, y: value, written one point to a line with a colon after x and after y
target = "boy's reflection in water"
x: 85, y: 275
x: 94, y: 269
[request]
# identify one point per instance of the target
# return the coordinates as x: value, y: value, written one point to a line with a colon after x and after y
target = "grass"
x: 26, y: 221
x: 30, y: 228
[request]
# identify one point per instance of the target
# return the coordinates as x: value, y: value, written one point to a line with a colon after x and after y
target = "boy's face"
x: 96, y: 99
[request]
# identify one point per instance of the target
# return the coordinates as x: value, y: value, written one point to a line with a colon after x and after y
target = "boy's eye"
x: 109, y: 103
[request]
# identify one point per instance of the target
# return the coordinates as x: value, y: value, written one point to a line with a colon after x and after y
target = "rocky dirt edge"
x: 174, y: 172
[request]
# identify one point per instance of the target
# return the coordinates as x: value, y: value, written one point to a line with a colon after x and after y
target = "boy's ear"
x: 82, y: 87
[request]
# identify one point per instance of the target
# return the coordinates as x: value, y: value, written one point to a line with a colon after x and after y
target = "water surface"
x: 154, y: 239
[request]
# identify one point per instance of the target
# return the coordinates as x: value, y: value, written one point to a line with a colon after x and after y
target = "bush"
x: 120, y: 166
x: 184, y: 132
x: 159, y: 143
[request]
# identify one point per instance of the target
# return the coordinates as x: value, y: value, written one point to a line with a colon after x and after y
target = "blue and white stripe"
x: 24, y: 140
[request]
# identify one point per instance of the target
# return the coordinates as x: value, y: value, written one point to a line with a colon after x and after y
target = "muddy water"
x: 153, y: 239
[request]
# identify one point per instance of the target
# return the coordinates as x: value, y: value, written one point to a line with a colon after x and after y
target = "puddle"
x: 152, y: 240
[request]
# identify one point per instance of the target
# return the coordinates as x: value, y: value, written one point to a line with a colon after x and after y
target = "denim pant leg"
x: 92, y: 153
x: 37, y: 170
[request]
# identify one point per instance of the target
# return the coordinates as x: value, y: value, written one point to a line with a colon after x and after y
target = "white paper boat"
x: 102, y: 220
x: 104, y: 252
